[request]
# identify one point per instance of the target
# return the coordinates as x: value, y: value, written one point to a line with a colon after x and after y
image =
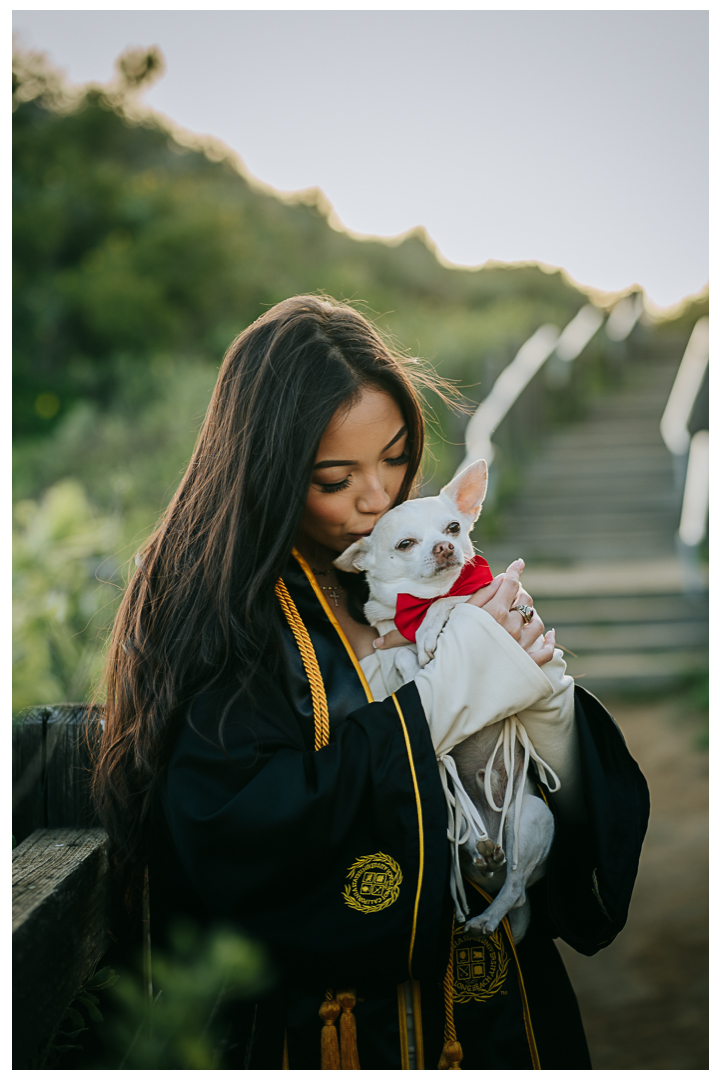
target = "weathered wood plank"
x: 69, y: 763
x: 51, y: 767
x: 60, y: 879
x: 28, y: 768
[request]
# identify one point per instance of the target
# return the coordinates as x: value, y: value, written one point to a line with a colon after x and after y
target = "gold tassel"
x: 329, y: 1049
x: 451, y: 1056
x: 452, y: 1053
x: 348, y: 1030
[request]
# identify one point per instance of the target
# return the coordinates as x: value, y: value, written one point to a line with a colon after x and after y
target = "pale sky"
x: 573, y: 138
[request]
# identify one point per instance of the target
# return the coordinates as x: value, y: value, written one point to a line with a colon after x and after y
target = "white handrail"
x: 578, y: 332
x: 697, y: 491
x: 513, y: 379
x: 673, y: 426
x: 508, y: 386
x: 623, y: 317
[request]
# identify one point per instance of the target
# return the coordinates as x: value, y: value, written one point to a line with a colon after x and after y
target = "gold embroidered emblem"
x: 480, y: 966
x: 374, y: 883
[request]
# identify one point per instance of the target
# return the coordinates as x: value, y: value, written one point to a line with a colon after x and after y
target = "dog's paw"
x: 490, y: 857
x: 483, y: 925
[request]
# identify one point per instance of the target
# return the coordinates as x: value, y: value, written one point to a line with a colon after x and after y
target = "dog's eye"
x: 453, y: 528
x: 404, y: 545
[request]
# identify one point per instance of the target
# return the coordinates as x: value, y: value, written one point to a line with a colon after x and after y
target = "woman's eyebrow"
x: 402, y: 431
x: 332, y: 464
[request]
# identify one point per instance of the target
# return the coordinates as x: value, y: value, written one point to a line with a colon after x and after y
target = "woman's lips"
x: 358, y: 535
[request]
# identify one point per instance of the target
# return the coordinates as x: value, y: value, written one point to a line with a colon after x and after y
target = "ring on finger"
x: 526, y: 612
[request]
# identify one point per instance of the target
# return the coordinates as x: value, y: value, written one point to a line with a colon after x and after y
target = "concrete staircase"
x: 595, y: 521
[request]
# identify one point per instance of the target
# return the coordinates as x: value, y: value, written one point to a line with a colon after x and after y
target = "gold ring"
x: 526, y: 612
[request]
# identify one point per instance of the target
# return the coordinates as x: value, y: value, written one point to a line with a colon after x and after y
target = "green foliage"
x: 201, y: 973
x: 129, y: 245
x: 61, y: 550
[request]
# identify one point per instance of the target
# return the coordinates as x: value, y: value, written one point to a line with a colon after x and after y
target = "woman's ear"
x: 467, y: 490
x: 353, y: 559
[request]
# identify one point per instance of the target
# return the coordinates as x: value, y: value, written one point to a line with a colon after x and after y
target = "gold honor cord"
x: 312, y: 668
x: 452, y: 1053
x: 344, y: 1055
x: 336, y: 625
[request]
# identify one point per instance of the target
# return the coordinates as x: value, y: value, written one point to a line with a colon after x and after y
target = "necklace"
x: 334, y: 590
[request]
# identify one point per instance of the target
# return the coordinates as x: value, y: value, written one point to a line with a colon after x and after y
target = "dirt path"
x: 644, y: 998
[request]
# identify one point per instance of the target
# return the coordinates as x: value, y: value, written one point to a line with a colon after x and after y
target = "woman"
x: 245, y: 758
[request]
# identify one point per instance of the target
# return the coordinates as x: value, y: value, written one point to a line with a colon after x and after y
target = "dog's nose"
x: 443, y: 549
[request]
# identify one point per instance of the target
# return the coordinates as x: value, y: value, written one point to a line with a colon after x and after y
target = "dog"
x: 417, y: 554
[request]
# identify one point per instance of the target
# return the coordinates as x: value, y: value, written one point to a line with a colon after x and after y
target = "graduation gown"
x: 337, y: 859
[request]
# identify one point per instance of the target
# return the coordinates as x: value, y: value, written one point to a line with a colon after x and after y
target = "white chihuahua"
x: 417, y: 554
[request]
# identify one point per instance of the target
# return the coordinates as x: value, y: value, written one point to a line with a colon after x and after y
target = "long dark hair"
x: 202, y: 596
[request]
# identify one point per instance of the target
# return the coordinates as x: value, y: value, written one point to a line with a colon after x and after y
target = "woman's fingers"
x: 510, y: 584
x: 391, y: 640
x: 523, y: 598
x: 500, y: 605
x: 484, y: 595
x: 531, y: 632
x: 544, y: 652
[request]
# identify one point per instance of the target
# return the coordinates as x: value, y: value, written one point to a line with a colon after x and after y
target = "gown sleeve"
x: 593, y: 862
x: 337, y: 859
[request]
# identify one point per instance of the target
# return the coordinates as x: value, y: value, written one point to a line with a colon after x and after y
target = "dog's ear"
x: 353, y: 559
x: 467, y: 490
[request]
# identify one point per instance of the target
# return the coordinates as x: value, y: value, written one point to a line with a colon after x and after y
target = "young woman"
x: 247, y: 761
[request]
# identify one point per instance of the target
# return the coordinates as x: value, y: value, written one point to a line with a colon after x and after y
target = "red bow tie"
x: 411, y: 610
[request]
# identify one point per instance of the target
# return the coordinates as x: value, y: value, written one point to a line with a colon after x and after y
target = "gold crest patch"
x: 480, y: 966
x: 374, y: 883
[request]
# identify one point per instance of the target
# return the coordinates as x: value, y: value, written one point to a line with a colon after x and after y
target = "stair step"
x: 560, y: 549
x: 638, y: 637
x: 612, y: 453
x: 606, y: 672
x: 600, y: 487
x: 607, y: 522
x: 534, y: 505
x: 639, y: 429
x: 591, y: 610
x: 655, y: 466
x: 622, y: 578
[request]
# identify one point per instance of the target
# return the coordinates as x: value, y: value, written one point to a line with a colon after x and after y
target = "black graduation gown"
x: 338, y: 860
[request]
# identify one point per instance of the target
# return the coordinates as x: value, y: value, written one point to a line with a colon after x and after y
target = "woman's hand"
x: 498, y: 598
x: 501, y: 600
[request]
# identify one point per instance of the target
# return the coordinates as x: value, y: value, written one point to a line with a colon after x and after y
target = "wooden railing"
x: 60, y: 866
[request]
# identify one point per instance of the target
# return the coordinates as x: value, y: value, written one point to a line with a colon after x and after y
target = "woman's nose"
x: 374, y: 498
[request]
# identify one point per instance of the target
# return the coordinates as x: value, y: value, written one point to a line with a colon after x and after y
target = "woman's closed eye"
x: 339, y: 485
x: 329, y: 488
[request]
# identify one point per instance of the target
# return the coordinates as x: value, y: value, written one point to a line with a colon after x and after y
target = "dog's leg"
x: 519, y: 919
x: 406, y: 662
x: 535, y: 837
x: 429, y: 631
